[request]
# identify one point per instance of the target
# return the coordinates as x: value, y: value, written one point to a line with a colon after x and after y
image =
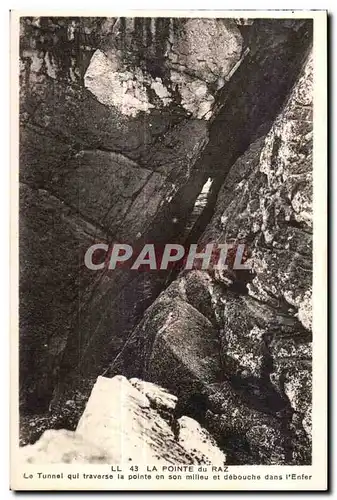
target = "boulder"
x: 122, y: 424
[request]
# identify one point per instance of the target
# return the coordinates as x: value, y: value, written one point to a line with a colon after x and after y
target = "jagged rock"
x: 159, y: 397
x: 128, y: 167
x: 175, y: 346
x: 244, y: 428
x: 273, y: 215
x: 195, y: 439
x: 111, y: 130
x: 193, y: 54
x: 261, y: 348
x: 122, y: 421
x: 265, y: 201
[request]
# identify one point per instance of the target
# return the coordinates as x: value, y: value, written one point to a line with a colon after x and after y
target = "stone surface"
x: 192, y: 54
x: 174, y: 346
x: 273, y: 215
x: 122, y: 424
x: 259, y: 203
x: 118, y: 136
x: 159, y: 397
x: 119, y: 163
x: 252, y: 372
x: 62, y: 446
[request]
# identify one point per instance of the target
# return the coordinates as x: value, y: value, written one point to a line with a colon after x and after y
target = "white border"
x: 320, y: 178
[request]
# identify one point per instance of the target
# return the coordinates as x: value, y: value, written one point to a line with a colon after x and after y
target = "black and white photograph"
x: 166, y: 208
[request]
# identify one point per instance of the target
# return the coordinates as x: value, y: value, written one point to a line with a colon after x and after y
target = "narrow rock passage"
x: 169, y: 131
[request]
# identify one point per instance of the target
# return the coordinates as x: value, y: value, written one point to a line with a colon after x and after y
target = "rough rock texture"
x: 127, y: 422
x: 110, y: 134
x: 191, y: 56
x: 112, y: 131
x: 273, y: 215
x: 237, y: 347
x: 119, y: 134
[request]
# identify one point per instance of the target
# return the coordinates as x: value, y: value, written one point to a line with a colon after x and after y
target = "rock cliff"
x: 122, y: 123
x: 245, y: 341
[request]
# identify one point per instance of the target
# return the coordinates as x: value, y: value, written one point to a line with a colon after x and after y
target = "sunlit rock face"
x: 127, y: 422
x: 110, y: 133
x: 185, y: 60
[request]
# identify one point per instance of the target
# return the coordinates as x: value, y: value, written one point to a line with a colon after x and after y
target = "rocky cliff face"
x: 113, y: 120
x: 122, y: 123
x: 245, y: 343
